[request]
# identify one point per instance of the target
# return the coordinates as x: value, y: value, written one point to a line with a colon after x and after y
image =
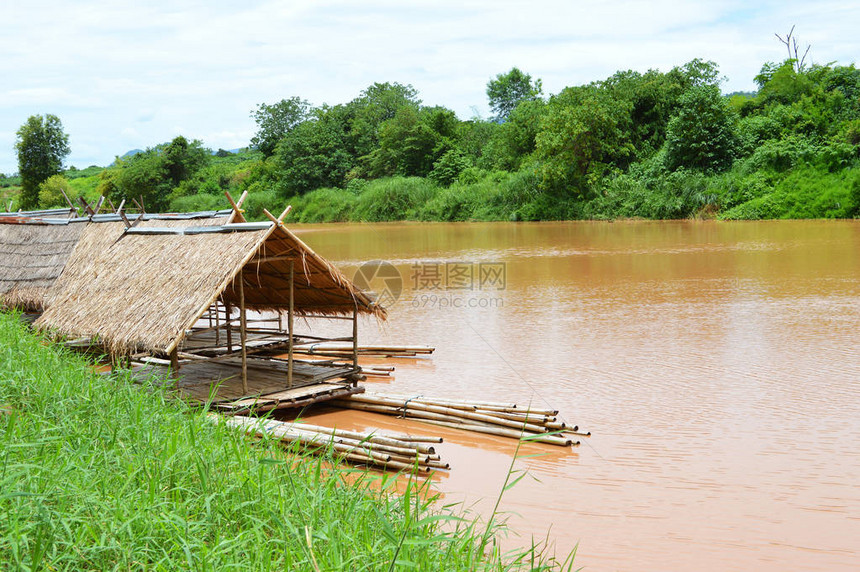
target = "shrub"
x: 394, y: 198
x: 324, y: 205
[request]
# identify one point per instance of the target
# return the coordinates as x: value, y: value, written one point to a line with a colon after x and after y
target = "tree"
x: 316, y: 153
x: 508, y: 90
x: 513, y: 141
x: 183, y: 159
x: 377, y: 104
x: 42, y: 145
x: 275, y: 121
x: 790, y: 44
x: 702, y: 135
x: 584, y: 135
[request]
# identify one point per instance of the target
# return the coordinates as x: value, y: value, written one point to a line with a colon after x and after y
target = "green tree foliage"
x: 584, y: 136
x: 507, y: 90
x: 42, y: 146
x: 51, y: 192
x: 412, y: 141
x: 377, y: 104
x: 514, y: 140
x: 276, y: 120
x: 154, y: 174
x: 317, y: 153
x: 702, y: 135
x: 637, y: 144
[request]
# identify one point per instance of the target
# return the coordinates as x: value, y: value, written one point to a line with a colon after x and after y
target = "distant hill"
x: 131, y: 153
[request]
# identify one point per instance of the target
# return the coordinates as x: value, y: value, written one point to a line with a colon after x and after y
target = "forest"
x: 653, y: 145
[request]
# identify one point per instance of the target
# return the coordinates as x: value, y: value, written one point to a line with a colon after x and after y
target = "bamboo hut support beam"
x: 290, y: 326
x: 243, y: 334
x: 355, y: 337
x: 174, y: 361
x: 229, y: 310
x: 217, y: 325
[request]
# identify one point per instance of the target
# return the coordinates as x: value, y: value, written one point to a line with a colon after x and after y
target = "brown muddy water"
x: 716, y: 364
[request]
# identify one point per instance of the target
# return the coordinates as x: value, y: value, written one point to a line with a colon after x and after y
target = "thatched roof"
x: 35, y: 245
x: 147, y: 288
x: 32, y: 256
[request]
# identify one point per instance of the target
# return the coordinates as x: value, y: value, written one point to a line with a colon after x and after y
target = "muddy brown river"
x: 716, y: 364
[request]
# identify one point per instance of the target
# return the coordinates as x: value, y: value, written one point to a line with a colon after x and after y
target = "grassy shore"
x: 97, y: 473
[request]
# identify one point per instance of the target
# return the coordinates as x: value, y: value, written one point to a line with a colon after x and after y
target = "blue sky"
x: 129, y: 74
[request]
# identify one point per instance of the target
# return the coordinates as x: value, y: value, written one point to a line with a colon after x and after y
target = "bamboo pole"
x: 217, y: 325
x: 243, y: 334
x: 412, y: 407
x: 355, y: 336
x: 174, y: 361
x: 354, y: 451
x: 228, y: 309
x: 290, y: 325
x: 501, y: 432
x: 382, y: 440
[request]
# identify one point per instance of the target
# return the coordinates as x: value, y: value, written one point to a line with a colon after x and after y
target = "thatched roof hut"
x: 32, y: 256
x: 35, y: 246
x: 147, y: 288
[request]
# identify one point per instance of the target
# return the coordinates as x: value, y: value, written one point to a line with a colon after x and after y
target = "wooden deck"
x: 219, y: 383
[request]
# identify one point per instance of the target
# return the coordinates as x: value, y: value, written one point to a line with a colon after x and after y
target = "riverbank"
x: 99, y: 473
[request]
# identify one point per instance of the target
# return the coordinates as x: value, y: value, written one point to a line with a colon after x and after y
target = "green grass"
x: 97, y: 473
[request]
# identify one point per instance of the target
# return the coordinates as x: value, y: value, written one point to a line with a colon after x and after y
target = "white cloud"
x: 127, y: 73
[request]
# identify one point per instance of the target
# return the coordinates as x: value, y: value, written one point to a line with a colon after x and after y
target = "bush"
x: 681, y: 194
x: 809, y: 192
x: 324, y: 205
x: 51, y: 192
x: 201, y: 202
x: 259, y: 200
x: 394, y: 198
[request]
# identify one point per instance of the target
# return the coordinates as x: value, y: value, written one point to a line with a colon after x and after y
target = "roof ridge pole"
x: 243, y: 334
x: 290, y: 326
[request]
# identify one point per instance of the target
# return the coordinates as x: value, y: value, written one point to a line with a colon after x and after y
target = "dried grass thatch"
x: 32, y: 256
x: 35, y: 246
x: 146, y: 289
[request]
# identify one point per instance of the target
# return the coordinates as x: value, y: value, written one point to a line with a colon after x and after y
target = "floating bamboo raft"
x: 501, y: 419
x: 399, y: 452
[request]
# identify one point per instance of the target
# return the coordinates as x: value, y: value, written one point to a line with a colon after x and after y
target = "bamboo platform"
x: 219, y: 383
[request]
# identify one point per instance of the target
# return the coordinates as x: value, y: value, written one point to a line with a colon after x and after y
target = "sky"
x: 125, y: 75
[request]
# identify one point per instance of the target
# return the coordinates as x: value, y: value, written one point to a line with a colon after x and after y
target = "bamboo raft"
x: 500, y: 419
x: 399, y: 452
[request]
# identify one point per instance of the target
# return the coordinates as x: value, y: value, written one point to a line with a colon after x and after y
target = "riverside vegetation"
x: 97, y: 473
x: 651, y: 145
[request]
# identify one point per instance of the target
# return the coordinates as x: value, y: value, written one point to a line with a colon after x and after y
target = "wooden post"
x: 174, y: 362
x: 290, y: 326
x: 229, y: 311
x: 242, y: 333
x: 355, y: 336
x: 217, y: 325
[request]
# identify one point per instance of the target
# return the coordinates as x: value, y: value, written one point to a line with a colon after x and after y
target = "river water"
x: 715, y: 363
